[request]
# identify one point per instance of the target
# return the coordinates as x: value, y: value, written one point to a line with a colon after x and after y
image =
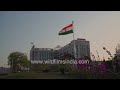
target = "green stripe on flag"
x: 67, y: 32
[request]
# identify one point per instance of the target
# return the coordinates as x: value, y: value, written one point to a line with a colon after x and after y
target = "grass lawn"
x: 57, y: 75
x: 41, y: 75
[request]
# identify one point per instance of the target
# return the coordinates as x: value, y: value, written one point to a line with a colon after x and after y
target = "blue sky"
x: 19, y: 28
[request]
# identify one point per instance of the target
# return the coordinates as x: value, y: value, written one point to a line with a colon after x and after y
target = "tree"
x: 16, y: 60
x: 68, y: 56
x: 118, y: 50
x: 116, y: 58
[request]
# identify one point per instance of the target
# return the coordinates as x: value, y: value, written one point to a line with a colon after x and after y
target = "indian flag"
x: 67, y: 30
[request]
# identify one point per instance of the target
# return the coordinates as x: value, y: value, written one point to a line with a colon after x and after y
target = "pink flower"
x: 103, y: 68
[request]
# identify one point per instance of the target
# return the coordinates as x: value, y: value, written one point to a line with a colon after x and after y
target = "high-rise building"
x: 82, y: 50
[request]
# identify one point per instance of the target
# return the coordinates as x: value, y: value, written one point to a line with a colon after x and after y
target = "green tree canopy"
x: 17, y: 60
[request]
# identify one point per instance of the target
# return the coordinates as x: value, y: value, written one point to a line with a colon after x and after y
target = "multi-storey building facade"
x: 82, y: 49
x: 41, y: 53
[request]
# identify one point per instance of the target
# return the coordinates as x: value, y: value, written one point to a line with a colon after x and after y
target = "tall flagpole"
x: 74, y: 42
x: 60, y: 45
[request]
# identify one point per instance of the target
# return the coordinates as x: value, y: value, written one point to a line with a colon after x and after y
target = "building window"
x: 39, y: 55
